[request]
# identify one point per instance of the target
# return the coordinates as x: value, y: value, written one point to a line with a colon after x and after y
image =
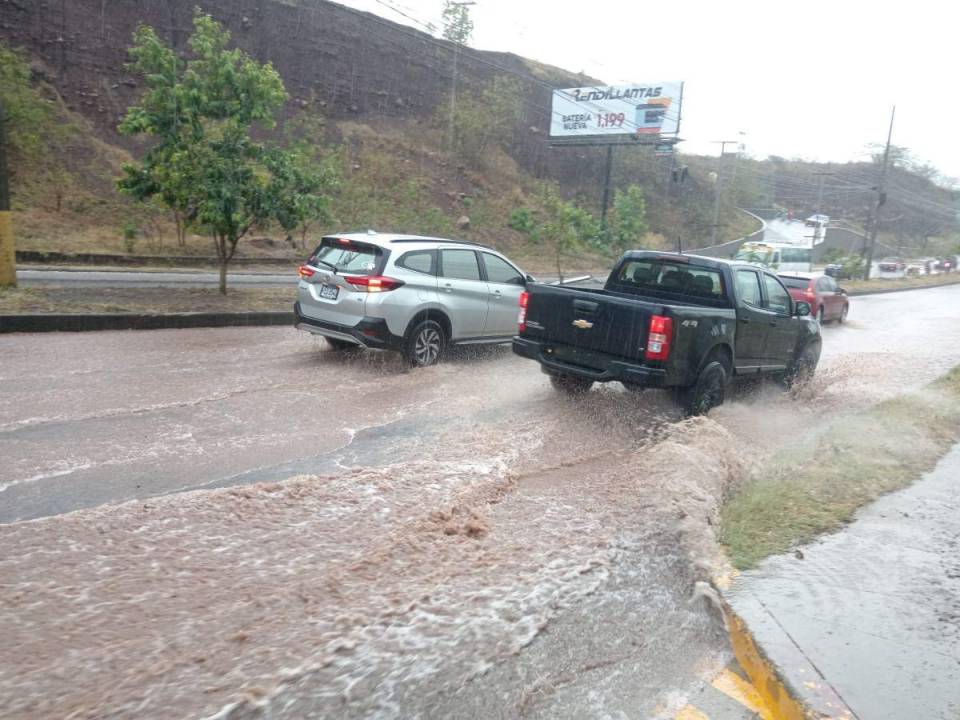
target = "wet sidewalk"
x: 865, y: 623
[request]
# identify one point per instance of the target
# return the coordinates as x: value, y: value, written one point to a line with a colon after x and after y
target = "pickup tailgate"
x: 593, y: 320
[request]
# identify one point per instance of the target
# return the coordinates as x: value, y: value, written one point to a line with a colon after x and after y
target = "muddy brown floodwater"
x: 240, y: 523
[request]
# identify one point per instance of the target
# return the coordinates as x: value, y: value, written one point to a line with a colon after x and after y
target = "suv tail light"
x: 522, y: 317
x: 810, y: 294
x: 373, y: 283
x: 659, y: 338
x: 305, y: 271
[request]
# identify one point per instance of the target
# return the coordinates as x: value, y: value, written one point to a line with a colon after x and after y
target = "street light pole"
x: 716, y: 205
x: 453, y: 81
x: 880, y: 199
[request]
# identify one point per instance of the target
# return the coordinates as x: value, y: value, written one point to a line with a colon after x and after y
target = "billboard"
x: 639, y: 111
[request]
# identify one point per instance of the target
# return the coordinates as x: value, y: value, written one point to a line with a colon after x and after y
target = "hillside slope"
x: 379, y: 87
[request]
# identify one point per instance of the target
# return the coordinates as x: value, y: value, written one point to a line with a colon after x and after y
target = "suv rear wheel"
x: 425, y: 344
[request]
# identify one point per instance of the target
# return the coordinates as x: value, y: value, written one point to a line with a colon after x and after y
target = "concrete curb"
x: 817, y: 700
x: 48, y: 322
x: 42, y: 257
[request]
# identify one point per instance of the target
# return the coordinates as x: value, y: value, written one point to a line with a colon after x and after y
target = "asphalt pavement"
x: 544, y: 501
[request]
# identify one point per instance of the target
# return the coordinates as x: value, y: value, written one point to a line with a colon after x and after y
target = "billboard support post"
x: 637, y: 114
x: 606, y: 189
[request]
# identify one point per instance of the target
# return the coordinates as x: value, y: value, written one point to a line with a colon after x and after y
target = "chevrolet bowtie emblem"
x: 582, y: 324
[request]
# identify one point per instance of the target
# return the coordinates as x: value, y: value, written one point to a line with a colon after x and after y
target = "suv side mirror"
x: 801, y: 308
x: 531, y: 279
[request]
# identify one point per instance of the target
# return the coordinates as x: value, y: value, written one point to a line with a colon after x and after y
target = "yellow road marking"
x: 689, y: 712
x: 734, y: 686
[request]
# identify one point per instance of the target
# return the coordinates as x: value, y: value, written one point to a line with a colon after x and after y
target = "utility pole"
x: 816, y: 228
x: 606, y: 188
x: 453, y: 81
x: 8, y: 254
x: 880, y: 199
x: 716, y: 205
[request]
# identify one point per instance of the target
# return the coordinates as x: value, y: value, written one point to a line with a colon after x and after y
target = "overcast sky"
x: 810, y: 79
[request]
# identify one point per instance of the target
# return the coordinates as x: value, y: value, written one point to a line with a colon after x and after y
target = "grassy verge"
x: 144, y: 300
x: 867, y: 286
x: 794, y: 499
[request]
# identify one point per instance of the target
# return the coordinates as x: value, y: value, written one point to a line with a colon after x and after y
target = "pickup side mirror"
x: 530, y: 279
x: 801, y: 308
x: 841, y: 291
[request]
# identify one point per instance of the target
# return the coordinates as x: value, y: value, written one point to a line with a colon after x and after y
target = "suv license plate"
x: 329, y: 291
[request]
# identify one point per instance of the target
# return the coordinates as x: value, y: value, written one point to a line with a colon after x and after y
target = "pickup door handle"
x: 449, y: 287
x: 773, y: 323
x: 585, y: 306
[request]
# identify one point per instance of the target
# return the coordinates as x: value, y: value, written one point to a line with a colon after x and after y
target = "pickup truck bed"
x: 660, y: 321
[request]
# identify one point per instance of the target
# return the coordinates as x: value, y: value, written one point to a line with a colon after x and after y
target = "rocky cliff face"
x: 343, y: 62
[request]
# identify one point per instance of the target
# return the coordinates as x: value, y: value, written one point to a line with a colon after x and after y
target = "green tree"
x: 627, y: 225
x: 457, y: 25
x: 308, y: 177
x: 313, y: 174
x: 562, y: 226
x: 28, y: 116
x: 204, y: 164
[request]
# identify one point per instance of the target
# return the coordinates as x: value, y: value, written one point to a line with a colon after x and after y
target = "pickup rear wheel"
x: 571, y: 384
x: 707, y: 392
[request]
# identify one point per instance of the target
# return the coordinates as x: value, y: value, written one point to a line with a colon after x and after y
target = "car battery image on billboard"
x: 649, y: 116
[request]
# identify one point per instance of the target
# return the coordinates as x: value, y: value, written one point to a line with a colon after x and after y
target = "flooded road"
x: 459, y: 541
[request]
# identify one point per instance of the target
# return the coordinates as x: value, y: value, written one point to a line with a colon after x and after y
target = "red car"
x: 827, y: 300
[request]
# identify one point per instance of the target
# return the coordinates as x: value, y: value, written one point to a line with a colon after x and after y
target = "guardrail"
x: 729, y: 249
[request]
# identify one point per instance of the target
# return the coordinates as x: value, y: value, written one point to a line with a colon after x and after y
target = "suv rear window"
x: 671, y: 281
x: 422, y: 261
x: 346, y: 255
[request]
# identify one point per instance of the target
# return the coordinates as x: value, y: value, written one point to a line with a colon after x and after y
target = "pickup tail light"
x: 305, y: 271
x: 522, y: 317
x: 373, y: 283
x: 659, y: 337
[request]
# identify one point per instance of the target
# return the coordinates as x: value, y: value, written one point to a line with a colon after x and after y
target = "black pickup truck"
x: 668, y: 320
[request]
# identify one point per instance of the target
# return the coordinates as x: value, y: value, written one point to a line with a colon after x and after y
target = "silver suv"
x: 413, y: 294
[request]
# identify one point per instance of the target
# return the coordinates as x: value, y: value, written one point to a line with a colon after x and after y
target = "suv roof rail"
x: 439, y: 240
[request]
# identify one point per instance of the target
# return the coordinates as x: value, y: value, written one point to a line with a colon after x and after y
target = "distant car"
x: 776, y: 256
x: 947, y: 264
x: 818, y: 220
x: 836, y: 271
x: 415, y: 295
x: 828, y: 300
x: 892, y: 264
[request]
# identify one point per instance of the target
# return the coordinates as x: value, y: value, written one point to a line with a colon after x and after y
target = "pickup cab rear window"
x: 672, y: 281
x: 347, y: 256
